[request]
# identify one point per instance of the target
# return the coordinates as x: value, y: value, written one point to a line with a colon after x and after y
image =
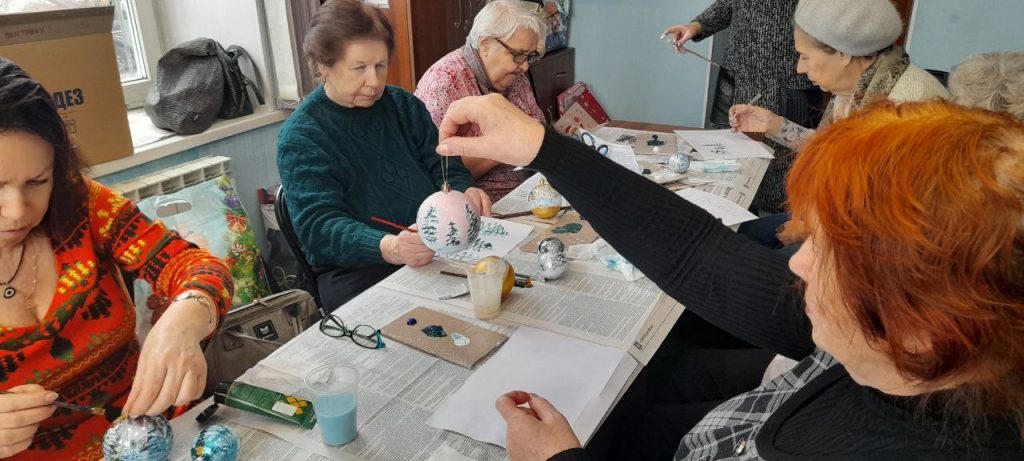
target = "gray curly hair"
x: 502, y: 18
x: 993, y: 81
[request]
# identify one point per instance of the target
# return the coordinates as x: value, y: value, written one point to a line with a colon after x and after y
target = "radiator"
x: 174, y: 179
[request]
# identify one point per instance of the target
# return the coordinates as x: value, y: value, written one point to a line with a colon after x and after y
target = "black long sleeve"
x: 572, y: 454
x: 730, y: 281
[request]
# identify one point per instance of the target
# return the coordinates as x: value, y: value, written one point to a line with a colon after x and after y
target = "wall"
x: 253, y: 165
x: 633, y: 74
x: 230, y: 22
x: 943, y: 32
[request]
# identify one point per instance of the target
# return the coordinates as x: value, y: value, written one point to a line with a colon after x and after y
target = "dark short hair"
x: 25, y: 106
x: 340, y: 22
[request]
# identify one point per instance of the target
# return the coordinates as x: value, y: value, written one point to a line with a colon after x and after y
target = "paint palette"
x: 444, y: 336
x: 570, y: 228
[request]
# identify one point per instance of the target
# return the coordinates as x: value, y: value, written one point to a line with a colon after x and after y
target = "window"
x: 137, y: 46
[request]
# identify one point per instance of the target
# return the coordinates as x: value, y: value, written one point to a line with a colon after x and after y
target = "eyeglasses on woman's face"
x: 520, y: 57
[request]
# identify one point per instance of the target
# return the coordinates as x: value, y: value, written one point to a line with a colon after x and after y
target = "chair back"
x: 284, y: 220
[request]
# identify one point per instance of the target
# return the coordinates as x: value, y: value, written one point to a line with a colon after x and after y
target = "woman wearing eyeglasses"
x: 506, y: 38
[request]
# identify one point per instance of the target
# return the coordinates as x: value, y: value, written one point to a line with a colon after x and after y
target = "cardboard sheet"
x: 463, y: 343
x: 571, y: 229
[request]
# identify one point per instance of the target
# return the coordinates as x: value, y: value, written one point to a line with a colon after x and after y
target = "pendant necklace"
x: 9, y: 290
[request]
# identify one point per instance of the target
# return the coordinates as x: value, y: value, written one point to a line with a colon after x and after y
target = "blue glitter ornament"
x: 215, y: 443
x: 146, y: 438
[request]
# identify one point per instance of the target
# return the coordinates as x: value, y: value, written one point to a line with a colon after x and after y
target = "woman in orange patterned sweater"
x: 67, y: 326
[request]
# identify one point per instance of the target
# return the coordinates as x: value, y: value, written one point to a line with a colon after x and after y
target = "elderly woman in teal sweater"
x: 356, y: 148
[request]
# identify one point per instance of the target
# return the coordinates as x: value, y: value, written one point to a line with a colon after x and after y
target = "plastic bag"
x: 607, y: 255
x: 210, y: 215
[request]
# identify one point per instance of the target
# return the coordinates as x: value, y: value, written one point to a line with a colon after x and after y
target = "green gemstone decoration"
x: 435, y: 331
x: 571, y: 228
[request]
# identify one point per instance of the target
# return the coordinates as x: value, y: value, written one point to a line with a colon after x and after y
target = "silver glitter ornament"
x: 551, y: 260
x: 551, y: 245
x: 145, y: 438
x: 679, y: 163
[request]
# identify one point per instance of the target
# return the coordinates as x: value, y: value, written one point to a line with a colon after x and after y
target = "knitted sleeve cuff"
x: 572, y: 454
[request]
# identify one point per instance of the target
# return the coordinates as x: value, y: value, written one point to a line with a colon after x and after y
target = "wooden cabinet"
x: 438, y: 27
x: 552, y: 75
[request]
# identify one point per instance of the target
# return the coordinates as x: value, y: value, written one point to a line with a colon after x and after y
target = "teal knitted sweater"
x: 340, y: 166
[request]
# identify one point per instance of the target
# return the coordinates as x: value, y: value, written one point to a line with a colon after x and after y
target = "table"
x: 401, y: 386
x: 740, y: 187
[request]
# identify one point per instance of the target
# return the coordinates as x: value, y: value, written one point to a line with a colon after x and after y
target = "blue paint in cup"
x: 334, y: 390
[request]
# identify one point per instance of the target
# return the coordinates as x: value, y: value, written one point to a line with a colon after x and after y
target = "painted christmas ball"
x: 146, y: 438
x: 215, y: 443
x: 552, y: 266
x: 448, y: 222
x: 551, y: 259
x: 544, y: 200
x: 679, y: 163
x: 551, y: 245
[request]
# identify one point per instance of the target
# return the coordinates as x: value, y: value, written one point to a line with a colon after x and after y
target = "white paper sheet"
x: 729, y: 212
x: 568, y: 372
x: 723, y: 144
x: 497, y: 238
x: 637, y: 139
x: 619, y: 153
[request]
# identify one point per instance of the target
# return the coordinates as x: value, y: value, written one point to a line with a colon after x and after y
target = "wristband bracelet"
x: 203, y: 300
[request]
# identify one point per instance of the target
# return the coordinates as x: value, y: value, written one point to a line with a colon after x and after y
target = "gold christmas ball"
x: 484, y: 266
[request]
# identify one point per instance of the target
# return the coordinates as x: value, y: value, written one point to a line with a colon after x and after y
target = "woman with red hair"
x: 909, y: 320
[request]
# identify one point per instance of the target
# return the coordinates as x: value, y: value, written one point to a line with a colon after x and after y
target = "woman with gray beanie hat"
x: 846, y: 47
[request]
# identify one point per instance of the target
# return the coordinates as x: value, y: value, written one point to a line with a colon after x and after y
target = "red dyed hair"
x: 922, y: 209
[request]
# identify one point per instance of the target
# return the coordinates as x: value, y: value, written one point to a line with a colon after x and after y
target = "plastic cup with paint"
x: 334, y: 390
x: 486, y: 278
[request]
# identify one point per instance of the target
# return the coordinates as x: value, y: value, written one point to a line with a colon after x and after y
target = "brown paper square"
x: 481, y: 340
x: 563, y: 229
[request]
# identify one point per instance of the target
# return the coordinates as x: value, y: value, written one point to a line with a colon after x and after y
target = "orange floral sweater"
x: 85, y: 347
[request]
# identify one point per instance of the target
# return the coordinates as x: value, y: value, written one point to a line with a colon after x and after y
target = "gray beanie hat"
x: 854, y: 27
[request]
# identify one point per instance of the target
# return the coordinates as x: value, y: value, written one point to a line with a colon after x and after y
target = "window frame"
x: 152, y: 48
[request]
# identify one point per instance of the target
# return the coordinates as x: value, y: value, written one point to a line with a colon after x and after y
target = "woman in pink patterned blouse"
x: 507, y: 37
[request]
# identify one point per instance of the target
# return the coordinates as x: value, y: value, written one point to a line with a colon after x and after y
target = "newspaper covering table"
x: 401, y: 387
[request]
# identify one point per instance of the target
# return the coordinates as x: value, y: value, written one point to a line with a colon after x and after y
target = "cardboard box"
x: 574, y: 119
x: 580, y: 94
x: 71, y: 53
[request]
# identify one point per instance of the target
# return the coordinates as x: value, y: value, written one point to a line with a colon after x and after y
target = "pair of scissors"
x: 588, y: 140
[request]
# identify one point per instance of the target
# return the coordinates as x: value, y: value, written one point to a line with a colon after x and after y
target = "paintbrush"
x: 521, y: 280
x: 753, y: 101
x: 389, y: 223
x: 685, y: 50
x: 98, y: 411
x: 524, y: 213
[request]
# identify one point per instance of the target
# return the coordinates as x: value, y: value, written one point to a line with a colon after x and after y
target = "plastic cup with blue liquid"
x: 334, y: 390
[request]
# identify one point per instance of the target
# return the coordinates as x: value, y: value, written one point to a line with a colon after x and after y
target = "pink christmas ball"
x: 448, y: 222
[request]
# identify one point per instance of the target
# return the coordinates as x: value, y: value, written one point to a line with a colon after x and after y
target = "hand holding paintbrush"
x: 23, y: 409
x: 50, y: 399
x: 404, y: 248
